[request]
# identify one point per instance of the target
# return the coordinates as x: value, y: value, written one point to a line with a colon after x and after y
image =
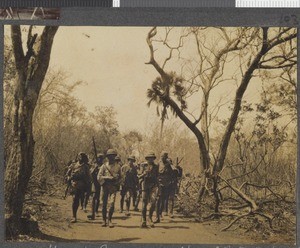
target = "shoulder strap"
x: 105, y: 167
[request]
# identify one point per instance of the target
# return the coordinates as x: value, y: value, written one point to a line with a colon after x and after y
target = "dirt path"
x: 56, y: 227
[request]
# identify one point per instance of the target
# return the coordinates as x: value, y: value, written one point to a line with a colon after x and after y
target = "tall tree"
x: 31, y: 67
x: 254, y: 49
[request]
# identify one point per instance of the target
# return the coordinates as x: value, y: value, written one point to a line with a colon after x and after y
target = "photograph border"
x: 90, y: 16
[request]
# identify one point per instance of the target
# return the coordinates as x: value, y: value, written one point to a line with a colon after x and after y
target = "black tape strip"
x: 123, y: 3
x: 55, y: 3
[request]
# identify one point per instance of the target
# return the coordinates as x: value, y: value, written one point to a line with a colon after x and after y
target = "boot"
x: 157, y: 220
x: 143, y: 225
x: 104, y: 224
x: 121, y: 204
x: 110, y: 224
x: 91, y: 217
x: 151, y: 223
x: 127, y: 208
x: 74, y: 220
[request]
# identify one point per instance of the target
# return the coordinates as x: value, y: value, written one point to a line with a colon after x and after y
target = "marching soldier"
x: 109, y: 177
x: 165, y: 176
x: 79, y: 177
x: 138, y: 193
x: 86, y: 196
x: 129, y: 184
x: 96, y: 186
x: 174, y: 188
x: 149, y: 185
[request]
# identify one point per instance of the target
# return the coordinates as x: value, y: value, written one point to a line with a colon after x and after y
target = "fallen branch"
x: 234, y: 221
x: 246, y: 198
x: 269, y: 218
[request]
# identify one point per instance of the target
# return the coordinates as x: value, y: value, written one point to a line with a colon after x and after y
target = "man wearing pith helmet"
x: 165, y: 176
x: 109, y: 177
x: 149, y: 185
x: 129, y: 184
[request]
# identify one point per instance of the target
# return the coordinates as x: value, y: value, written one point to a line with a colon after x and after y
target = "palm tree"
x: 159, y: 89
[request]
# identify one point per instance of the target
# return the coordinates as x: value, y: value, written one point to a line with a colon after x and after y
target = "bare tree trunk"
x: 204, y: 119
x: 30, y: 78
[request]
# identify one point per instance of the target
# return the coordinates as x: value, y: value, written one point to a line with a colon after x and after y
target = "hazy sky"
x: 111, y: 62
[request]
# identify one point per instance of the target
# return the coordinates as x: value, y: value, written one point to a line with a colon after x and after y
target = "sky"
x: 111, y: 61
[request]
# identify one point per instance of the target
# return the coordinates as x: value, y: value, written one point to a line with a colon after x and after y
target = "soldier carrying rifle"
x: 79, y: 177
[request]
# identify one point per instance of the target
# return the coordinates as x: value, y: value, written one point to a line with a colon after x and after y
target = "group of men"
x: 156, y: 184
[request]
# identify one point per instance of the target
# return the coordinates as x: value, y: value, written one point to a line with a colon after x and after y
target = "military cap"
x: 150, y: 155
x: 111, y: 152
x: 131, y: 158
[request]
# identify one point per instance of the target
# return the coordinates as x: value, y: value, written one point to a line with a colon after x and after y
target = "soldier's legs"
x: 153, y: 199
x: 104, y: 204
x: 145, y: 197
x: 167, y: 198
x: 122, y: 194
x: 100, y: 198
x: 171, y: 199
x: 128, y: 200
x: 134, y: 196
x: 97, y: 200
x: 165, y: 194
x: 82, y: 200
x: 137, y: 201
x: 161, y: 199
x: 75, y: 204
x: 86, y: 198
x: 93, y: 205
x: 112, y: 199
x: 158, y: 204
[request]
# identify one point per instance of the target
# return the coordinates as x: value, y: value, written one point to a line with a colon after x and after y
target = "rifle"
x: 95, y: 150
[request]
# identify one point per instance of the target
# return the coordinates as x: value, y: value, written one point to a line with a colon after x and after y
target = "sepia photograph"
x: 150, y: 135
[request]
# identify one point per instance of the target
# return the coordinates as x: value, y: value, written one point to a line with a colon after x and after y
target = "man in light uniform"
x: 109, y: 178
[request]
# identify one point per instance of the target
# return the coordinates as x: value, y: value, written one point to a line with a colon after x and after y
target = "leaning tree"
x: 31, y: 67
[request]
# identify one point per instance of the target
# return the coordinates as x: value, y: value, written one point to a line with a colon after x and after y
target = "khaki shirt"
x: 109, y: 171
